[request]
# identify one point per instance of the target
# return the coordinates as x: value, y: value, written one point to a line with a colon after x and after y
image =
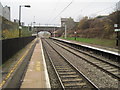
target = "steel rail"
x: 89, y: 55
x: 53, y: 67
x: 113, y: 75
x: 80, y: 73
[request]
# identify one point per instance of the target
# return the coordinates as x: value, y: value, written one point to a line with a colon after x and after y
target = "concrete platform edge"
x: 44, y: 63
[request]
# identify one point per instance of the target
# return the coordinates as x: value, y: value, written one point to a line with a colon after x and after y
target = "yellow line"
x: 1, y: 84
x: 15, y: 66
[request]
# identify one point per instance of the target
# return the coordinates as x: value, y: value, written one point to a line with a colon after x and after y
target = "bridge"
x: 50, y: 29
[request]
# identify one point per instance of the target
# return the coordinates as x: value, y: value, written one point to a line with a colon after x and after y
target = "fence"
x: 11, y: 46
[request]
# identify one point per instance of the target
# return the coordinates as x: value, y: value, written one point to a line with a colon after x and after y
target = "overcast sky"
x: 45, y: 11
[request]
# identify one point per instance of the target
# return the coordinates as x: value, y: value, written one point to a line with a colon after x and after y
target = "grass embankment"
x: 95, y: 41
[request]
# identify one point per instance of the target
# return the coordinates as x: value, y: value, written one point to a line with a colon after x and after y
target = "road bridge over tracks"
x: 50, y: 29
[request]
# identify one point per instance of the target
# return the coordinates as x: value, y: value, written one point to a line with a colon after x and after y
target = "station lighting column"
x: 28, y: 6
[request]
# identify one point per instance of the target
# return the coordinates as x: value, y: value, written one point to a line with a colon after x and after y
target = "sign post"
x: 117, y: 30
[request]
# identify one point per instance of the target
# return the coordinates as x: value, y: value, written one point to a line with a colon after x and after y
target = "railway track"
x: 68, y: 75
x: 103, y: 65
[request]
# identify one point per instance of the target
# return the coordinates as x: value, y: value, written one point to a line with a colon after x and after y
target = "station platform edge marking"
x: 44, y: 63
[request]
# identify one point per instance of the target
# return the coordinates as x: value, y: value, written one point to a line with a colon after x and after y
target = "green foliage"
x: 115, y: 17
x: 96, y: 41
x: 83, y: 24
x: 10, y: 30
x: 10, y: 34
x: 99, y: 27
x: 25, y: 32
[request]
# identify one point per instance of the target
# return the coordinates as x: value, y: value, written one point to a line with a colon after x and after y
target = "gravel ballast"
x: 101, y: 79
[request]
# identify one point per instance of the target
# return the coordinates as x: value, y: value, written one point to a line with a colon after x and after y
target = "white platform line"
x: 46, y: 72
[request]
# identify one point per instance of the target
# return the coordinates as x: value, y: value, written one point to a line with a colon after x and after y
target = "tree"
x: 83, y: 24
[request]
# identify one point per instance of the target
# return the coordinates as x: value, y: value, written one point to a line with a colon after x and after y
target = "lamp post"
x: 75, y: 34
x: 54, y: 31
x: 65, y: 30
x: 20, y: 17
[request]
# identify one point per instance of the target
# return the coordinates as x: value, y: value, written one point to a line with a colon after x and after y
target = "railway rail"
x: 107, y: 67
x: 100, y: 52
x: 68, y: 75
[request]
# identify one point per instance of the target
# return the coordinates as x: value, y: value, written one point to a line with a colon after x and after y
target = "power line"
x: 63, y: 10
x: 53, y: 11
x: 102, y: 10
x: 97, y: 11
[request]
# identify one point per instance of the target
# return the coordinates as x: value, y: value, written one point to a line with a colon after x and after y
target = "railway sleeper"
x: 108, y: 68
x: 65, y: 70
x: 116, y: 73
x: 72, y: 80
x: 69, y: 76
x: 77, y: 85
x: 113, y: 70
x: 67, y: 73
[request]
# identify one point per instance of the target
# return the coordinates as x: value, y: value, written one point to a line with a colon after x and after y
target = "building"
x: 5, y: 12
x: 63, y: 21
x: 1, y: 14
x: 1, y: 9
x: 118, y: 6
x: 69, y: 22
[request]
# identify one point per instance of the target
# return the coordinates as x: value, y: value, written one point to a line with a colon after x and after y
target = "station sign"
x: 116, y: 30
x: 20, y: 27
x: 115, y: 25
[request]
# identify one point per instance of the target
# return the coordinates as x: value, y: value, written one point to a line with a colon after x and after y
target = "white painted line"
x: 44, y: 64
x: 117, y: 30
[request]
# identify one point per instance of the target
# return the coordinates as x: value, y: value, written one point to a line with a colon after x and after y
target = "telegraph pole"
x: 65, y: 31
x: 54, y: 30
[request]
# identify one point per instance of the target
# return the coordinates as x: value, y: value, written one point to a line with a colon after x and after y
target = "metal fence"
x: 11, y: 46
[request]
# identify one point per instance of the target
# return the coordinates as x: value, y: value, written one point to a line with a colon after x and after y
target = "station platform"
x: 92, y: 46
x: 36, y: 75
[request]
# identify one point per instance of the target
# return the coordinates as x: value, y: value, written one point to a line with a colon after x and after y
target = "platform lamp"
x: 28, y: 6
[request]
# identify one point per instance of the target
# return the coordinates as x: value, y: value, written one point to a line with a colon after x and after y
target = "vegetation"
x: 99, y: 27
x: 98, y: 30
x: 25, y: 32
x: 96, y: 41
x: 10, y: 34
x: 10, y: 30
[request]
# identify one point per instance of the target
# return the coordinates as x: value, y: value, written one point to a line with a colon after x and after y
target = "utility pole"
x: 20, y: 21
x: 28, y: 27
x: 54, y: 30
x: 65, y: 31
x: 34, y: 24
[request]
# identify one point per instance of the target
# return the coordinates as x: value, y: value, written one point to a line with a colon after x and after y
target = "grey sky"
x: 45, y: 11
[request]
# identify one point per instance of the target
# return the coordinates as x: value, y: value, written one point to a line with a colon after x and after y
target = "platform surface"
x: 96, y: 47
x: 36, y: 75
